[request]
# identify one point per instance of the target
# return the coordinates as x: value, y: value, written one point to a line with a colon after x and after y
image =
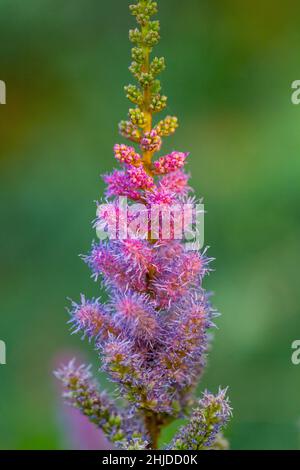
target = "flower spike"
x: 153, y: 333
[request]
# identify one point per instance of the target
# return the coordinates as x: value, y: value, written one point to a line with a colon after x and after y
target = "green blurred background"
x: 230, y: 68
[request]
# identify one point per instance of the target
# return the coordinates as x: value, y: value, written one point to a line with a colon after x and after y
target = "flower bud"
x: 158, y: 103
x: 137, y: 117
x: 125, y: 154
x: 129, y: 131
x: 134, y: 94
x: 167, y: 126
x: 151, y: 142
x: 157, y: 65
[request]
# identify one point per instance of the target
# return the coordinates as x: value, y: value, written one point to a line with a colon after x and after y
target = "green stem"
x: 147, y: 156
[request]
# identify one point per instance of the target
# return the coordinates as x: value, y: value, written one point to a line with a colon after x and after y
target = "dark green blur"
x: 230, y: 65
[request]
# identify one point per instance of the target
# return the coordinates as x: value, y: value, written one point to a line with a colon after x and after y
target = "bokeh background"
x: 230, y: 68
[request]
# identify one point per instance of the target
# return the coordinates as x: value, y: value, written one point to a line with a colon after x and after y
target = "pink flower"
x: 153, y: 333
x: 92, y: 319
x: 126, y: 154
x: 136, y: 314
x: 176, y: 182
x: 170, y: 163
x: 139, y: 179
x: 104, y: 260
x: 138, y: 253
x: 151, y: 141
x: 178, y: 273
x: 119, y: 184
x: 161, y: 196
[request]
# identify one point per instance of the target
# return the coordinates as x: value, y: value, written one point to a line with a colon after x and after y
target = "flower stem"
x: 147, y: 156
x: 153, y: 426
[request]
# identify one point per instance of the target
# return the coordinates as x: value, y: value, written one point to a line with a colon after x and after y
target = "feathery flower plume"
x: 81, y: 391
x: 152, y: 335
x: 92, y: 319
x: 208, y: 419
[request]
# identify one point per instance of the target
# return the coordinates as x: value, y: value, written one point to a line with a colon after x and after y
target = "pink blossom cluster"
x: 125, y: 154
x: 169, y: 163
x: 151, y: 141
x: 139, y: 179
x: 134, y: 177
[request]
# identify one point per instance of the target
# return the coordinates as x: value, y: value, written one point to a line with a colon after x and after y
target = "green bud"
x: 134, y: 94
x: 143, y: 11
x: 137, y: 117
x: 137, y: 444
x: 157, y: 65
x: 167, y: 126
x: 118, y: 420
x: 135, y: 69
x: 158, y: 103
x: 151, y: 39
x: 118, y: 436
x: 135, y: 36
x: 154, y: 26
x: 156, y: 87
x: 137, y: 54
x: 145, y: 79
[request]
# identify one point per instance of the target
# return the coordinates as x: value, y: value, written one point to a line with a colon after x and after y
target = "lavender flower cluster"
x: 153, y: 332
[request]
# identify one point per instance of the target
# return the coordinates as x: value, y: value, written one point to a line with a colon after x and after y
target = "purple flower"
x: 119, y: 184
x: 136, y: 315
x: 92, y: 319
x: 176, y: 183
x: 152, y: 335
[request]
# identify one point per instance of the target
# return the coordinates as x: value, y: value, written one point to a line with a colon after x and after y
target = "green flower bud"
x: 136, y: 36
x: 156, y: 87
x: 135, y: 69
x: 137, y: 54
x: 167, y: 126
x: 154, y: 26
x: 143, y: 11
x: 137, y: 444
x: 118, y: 436
x: 158, y: 103
x: 137, y: 117
x: 151, y: 38
x: 157, y: 65
x: 129, y: 131
x: 134, y: 94
x: 145, y: 79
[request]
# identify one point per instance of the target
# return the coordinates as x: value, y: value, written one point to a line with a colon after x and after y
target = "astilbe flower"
x: 81, y: 391
x: 153, y: 332
x: 176, y: 183
x: 126, y: 154
x: 169, y: 163
x: 119, y: 184
x: 151, y: 141
x: 206, y: 423
x: 139, y: 178
x: 92, y: 319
